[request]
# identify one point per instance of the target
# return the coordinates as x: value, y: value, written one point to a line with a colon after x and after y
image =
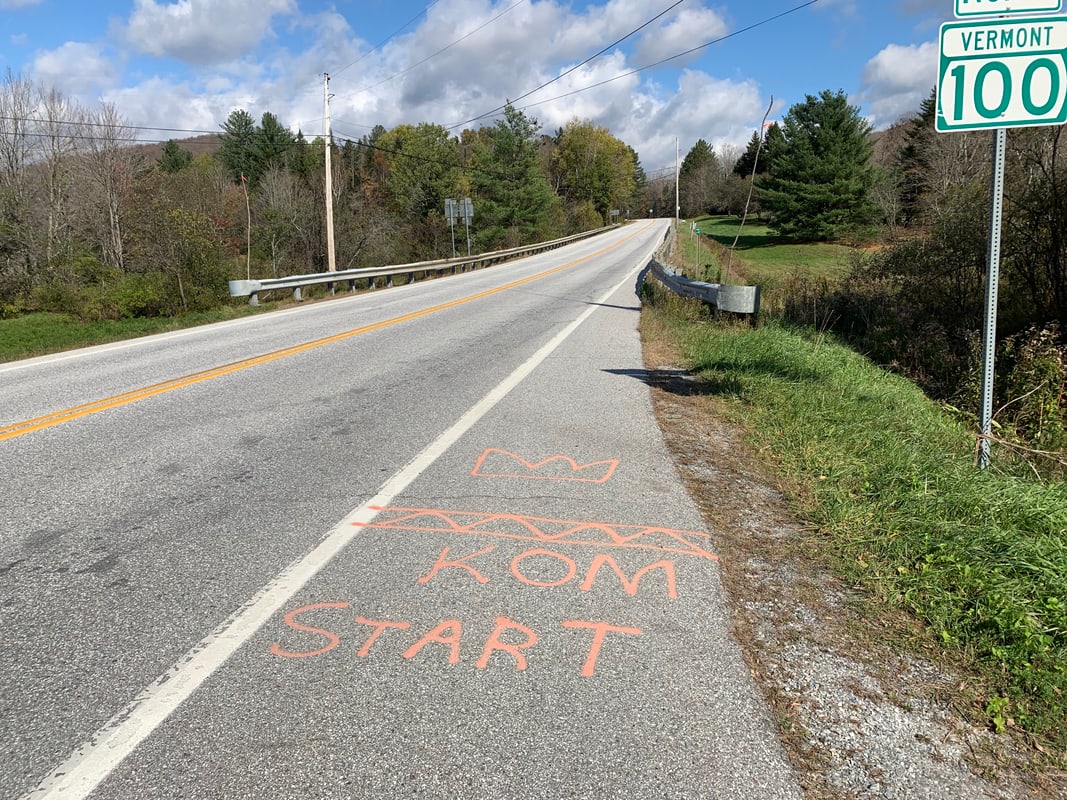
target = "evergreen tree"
x: 174, y: 158
x: 238, y: 150
x: 820, y: 171
x: 756, y: 145
x: 697, y: 178
x: 515, y: 203
x: 699, y: 156
x: 636, y: 204
x: 913, y: 158
x: 272, y: 144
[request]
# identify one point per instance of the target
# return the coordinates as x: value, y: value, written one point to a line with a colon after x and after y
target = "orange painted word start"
x: 509, y: 640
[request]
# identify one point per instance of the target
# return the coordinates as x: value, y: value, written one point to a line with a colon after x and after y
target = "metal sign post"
x: 989, y: 334
x: 466, y: 210
x: 450, y: 215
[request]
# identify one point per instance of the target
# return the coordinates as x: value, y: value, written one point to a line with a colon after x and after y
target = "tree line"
x: 95, y: 225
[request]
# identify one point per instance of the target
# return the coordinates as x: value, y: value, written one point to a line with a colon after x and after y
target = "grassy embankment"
x: 42, y: 333
x: 888, y: 480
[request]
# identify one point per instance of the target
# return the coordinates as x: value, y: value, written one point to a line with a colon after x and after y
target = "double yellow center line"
x: 77, y: 412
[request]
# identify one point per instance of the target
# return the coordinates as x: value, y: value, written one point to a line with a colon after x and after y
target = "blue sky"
x: 185, y: 64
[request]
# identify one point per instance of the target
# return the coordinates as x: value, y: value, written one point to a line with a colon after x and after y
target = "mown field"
x: 887, y: 479
x: 760, y: 257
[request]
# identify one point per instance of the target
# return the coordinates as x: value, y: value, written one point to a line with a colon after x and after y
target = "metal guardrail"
x: 253, y: 288
x: 725, y: 297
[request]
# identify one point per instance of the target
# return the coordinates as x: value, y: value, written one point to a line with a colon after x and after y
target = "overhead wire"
x: 569, y: 71
x: 387, y: 39
x: 448, y: 46
x: 662, y: 61
x: 412, y: 156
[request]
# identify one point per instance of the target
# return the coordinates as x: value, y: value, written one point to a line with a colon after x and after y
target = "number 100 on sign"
x: 1002, y: 74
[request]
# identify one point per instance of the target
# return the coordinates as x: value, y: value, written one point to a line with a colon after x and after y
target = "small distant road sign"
x: 1002, y: 73
x: 971, y: 8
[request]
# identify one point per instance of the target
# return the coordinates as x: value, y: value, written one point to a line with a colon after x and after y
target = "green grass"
x: 887, y: 478
x: 765, y: 258
x: 43, y: 333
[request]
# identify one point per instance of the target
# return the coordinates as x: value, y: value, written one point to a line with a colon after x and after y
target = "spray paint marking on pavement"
x: 494, y: 463
x: 537, y: 568
x: 540, y: 529
x: 449, y: 634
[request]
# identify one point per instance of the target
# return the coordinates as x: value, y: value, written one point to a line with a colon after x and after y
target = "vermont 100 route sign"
x: 1002, y: 73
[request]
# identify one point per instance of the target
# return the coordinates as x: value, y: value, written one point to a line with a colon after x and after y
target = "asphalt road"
x: 425, y: 542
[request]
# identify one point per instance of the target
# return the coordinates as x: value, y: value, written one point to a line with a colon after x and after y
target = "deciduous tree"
x: 594, y: 166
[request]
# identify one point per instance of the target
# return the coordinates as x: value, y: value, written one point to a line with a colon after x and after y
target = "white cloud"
x: 202, y: 32
x: 700, y: 106
x: 168, y: 104
x: 534, y: 43
x: 77, y: 69
x: 690, y: 28
x: 897, y: 80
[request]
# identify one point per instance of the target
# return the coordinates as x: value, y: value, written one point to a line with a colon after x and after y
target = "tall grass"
x: 888, y: 478
x: 41, y: 333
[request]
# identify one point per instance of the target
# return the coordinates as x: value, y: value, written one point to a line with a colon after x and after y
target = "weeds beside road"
x: 886, y: 480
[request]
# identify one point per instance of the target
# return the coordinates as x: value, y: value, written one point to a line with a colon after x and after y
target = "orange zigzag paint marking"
x: 539, y: 529
x: 530, y: 471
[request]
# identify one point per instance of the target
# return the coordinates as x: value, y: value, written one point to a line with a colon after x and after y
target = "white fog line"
x: 91, y: 763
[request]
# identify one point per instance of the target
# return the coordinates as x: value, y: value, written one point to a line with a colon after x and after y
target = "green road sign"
x: 698, y: 231
x: 1002, y: 73
x: 970, y: 8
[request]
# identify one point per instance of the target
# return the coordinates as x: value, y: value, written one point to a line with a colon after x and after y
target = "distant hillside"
x: 208, y: 143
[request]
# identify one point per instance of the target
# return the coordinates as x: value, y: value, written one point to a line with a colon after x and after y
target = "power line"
x: 572, y: 69
x: 429, y: 57
x: 127, y: 139
x: 387, y: 39
x: 447, y: 47
x: 668, y: 58
x: 196, y: 131
x: 425, y: 159
x: 88, y: 124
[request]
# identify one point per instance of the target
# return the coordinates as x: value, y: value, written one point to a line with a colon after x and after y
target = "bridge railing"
x: 253, y: 288
x: 724, y: 297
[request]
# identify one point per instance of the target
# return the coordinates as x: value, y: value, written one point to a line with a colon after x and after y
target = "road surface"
x: 423, y: 542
